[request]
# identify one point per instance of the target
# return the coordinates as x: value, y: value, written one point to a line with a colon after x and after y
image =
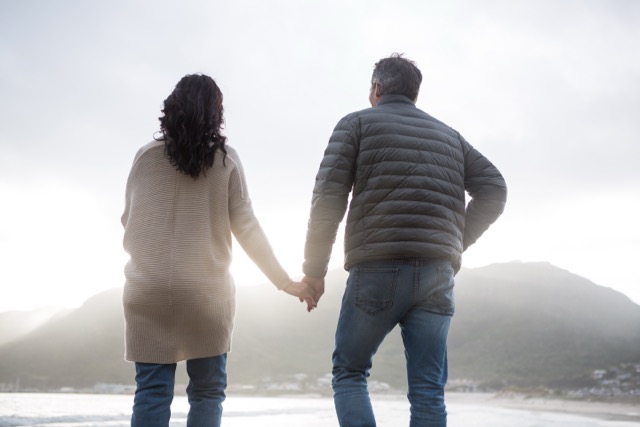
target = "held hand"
x: 317, y: 284
x: 304, y: 292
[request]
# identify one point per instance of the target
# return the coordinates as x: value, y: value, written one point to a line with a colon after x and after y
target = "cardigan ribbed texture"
x: 179, y: 297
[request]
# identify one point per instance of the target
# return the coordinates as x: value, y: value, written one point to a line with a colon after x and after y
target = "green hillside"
x: 524, y: 324
x: 535, y: 323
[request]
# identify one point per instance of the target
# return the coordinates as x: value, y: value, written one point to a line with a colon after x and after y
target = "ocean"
x: 100, y: 410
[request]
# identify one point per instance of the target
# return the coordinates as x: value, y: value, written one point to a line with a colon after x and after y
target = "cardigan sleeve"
x: 248, y: 232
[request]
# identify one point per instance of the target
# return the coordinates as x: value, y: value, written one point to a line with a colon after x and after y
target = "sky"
x: 548, y: 90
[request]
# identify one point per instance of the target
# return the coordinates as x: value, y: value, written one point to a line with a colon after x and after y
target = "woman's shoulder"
x: 232, y: 155
x: 152, y: 146
x: 231, y: 152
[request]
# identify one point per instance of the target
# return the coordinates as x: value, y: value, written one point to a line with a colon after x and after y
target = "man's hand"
x: 317, y: 284
x: 304, y: 292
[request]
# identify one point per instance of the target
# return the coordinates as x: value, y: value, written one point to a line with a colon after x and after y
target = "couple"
x: 407, y: 226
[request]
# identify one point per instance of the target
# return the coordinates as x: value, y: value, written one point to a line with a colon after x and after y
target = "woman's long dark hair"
x: 191, y: 124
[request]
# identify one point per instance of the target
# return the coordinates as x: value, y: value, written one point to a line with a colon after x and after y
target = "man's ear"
x: 377, y: 92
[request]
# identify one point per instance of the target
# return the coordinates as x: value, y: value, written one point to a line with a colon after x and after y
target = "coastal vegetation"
x: 518, y: 326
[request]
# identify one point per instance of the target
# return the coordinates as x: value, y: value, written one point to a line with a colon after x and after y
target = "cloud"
x: 549, y: 91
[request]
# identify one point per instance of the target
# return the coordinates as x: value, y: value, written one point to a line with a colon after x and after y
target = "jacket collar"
x: 394, y: 98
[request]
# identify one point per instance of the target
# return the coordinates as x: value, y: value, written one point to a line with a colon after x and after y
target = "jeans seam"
x: 416, y: 284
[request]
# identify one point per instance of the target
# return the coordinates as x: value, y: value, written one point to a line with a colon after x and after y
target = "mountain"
x: 534, y: 322
x: 14, y: 324
x: 525, y: 324
x: 78, y: 349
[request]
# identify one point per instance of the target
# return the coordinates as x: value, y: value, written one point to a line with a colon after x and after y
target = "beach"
x: 613, y: 411
x: 392, y: 410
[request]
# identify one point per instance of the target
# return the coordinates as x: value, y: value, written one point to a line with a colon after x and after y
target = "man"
x: 407, y: 227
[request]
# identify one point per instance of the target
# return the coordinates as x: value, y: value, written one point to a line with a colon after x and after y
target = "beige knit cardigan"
x: 179, y: 297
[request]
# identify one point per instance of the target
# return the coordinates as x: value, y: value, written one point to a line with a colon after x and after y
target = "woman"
x: 186, y: 196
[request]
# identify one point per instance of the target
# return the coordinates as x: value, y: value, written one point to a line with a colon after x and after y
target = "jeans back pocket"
x: 375, y: 288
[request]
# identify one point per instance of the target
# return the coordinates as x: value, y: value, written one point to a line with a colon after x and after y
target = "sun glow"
x: 287, y: 234
x: 59, y: 247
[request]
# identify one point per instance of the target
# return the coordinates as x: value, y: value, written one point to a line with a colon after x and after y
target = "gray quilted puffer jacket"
x: 407, y: 174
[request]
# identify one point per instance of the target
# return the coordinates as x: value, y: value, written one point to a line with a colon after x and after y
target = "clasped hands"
x: 308, y: 290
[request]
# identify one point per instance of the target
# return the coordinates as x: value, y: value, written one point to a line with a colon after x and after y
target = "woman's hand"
x: 304, y: 292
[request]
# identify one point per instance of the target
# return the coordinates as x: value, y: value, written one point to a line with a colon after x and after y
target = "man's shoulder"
x: 355, y: 115
x: 398, y: 113
x: 391, y: 109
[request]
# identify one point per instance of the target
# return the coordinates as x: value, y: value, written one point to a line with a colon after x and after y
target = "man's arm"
x: 488, y: 191
x: 330, y: 197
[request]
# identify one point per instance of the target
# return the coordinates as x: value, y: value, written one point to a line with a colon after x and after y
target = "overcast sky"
x: 548, y: 90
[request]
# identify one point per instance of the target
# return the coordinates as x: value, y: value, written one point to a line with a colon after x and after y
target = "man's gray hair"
x: 397, y: 75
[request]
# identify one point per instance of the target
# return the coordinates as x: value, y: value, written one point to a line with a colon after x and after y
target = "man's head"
x: 395, y: 75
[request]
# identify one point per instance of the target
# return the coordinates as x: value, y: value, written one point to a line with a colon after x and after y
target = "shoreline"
x: 610, y: 411
x: 607, y: 411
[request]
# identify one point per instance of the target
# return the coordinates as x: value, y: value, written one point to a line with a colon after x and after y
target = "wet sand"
x: 612, y: 411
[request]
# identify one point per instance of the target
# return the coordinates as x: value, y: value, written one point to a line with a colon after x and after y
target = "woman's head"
x: 191, y: 124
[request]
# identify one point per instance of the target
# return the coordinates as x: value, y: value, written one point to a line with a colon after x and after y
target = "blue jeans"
x: 154, y: 392
x: 417, y: 295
